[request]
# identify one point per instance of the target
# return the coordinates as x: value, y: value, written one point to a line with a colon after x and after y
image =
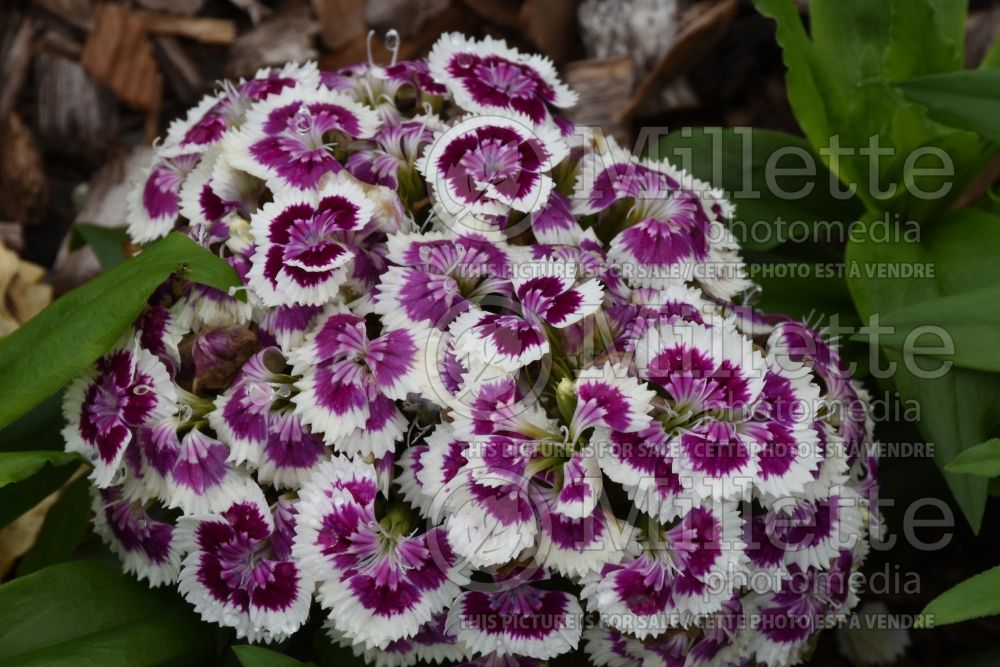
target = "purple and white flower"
x: 383, y: 580
x: 434, y: 279
x: 488, y: 77
x: 349, y: 382
x: 522, y: 620
x: 154, y: 207
x: 236, y: 575
x: 126, y: 389
x: 147, y: 547
x: 290, y: 139
x: 488, y: 165
x: 684, y: 571
x: 305, y: 243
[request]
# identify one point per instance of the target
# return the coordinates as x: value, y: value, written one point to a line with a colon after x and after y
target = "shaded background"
x: 86, y: 86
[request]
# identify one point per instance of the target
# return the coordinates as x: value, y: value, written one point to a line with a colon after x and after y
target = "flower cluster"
x: 490, y: 394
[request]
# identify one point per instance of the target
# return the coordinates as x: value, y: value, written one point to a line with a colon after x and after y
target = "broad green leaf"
x: 847, y: 32
x: 256, y: 656
x: 925, y: 37
x: 961, y: 408
x: 40, y: 429
x: 75, y: 330
x: 66, y: 523
x: 968, y: 99
x: 982, y: 460
x: 963, y: 328
x: 901, y: 160
x: 16, y: 466
x: 973, y: 598
x: 815, y: 98
x: 107, y: 242
x: 83, y: 614
x: 780, y: 186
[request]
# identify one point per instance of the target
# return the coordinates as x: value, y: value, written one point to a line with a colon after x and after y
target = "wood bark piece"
x: 181, y: 72
x: 982, y: 29
x: 551, y: 26
x: 285, y: 37
x: 602, y: 85
x: 341, y: 21
x: 77, y: 13
x: 254, y: 9
x: 205, y: 30
x: 408, y: 17
x: 456, y: 17
x: 119, y: 53
x: 22, y: 173
x: 505, y: 13
x: 74, y: 114
x: 354, y: 52
x: 184, y: 7
x: 59, y: 41
x: 15, y: 59
x: 704, y: 25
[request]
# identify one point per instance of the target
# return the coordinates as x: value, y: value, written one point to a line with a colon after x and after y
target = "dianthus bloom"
x: 490, y: 394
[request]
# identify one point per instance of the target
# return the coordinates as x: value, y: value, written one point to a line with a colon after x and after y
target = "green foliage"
x: 887, y: 74
x: 66, y: 524
x: 973, y: 598
x: 107, y: 243
x: 75, y: 330
x: 40, y: 429
x: 773, y: 179
x: 982, y: 460
x: 82, y: 614
x: 256, y: 656
x: 16, y: 466
x: 968, y: 99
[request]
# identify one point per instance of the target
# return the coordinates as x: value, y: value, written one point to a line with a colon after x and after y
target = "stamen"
x: 392, y: 43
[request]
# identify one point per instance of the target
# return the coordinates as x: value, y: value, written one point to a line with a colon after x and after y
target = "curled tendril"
x: 391, y: 41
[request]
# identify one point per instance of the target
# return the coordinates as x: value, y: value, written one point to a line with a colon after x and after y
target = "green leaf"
x: 967, y: 99
x: 963, y: 326
x: 848, y: 32
x: 108, y: 243
x: 15, y: 466
x: 771, y: 204
x: 973, y: 598
x: 982, y: 460
x: 75, y: 330
x: 815, y: 98
x: 925, y: 37
x: 66, y: 523
x: 256, y: 656
x: 83, y: 614
x: 40, y: 429
x: 961, y: 408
